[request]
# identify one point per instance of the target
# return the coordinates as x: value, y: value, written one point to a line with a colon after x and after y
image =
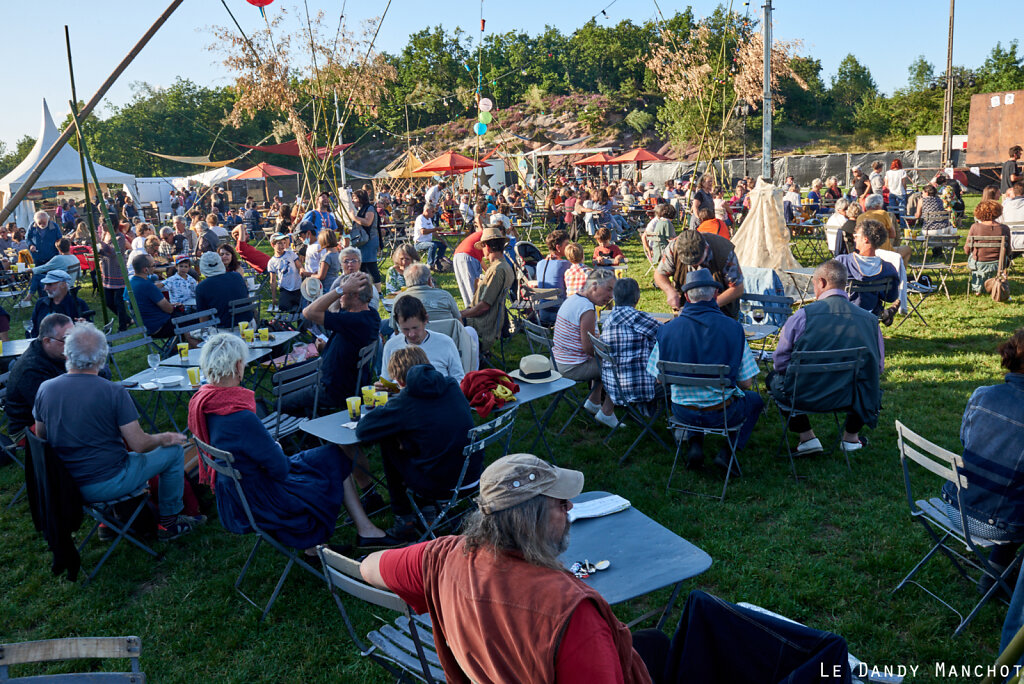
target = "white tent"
x: 154, y: 189
x: 64, y: 171
x: 208, y: 178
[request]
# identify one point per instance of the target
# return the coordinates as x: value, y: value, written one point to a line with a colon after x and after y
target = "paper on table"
x: 606, y: 505
x: 351, y: 425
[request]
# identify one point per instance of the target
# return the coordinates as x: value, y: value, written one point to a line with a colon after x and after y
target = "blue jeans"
x: 743, y: 411
x: 167, y: 462
x: 435, y: 250
x: 898, y: 203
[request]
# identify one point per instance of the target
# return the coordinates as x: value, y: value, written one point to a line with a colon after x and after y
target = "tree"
x: 851, y: 83
x: 922, y: 74
x: 8, y: 160
x: 1003, y: 69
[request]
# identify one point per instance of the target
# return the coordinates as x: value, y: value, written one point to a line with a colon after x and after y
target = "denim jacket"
x: 993, y: 437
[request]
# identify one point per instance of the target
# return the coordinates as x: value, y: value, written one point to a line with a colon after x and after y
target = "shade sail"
x: 291, y: 148
x: 198, y: 161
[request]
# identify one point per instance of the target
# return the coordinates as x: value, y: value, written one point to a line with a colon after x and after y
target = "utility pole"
x: 766, y: 126
x: 947, y: 106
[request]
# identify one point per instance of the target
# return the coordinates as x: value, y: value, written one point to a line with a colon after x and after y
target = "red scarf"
x: 219, y: 401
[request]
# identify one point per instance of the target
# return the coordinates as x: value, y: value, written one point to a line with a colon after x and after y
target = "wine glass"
x: 758, y: 315
x: 153, y: 360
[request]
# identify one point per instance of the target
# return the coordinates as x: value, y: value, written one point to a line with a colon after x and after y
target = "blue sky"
x: 884, y: 36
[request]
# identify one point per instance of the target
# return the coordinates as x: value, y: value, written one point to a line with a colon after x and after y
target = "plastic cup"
x: 242, y: 327
x: 380, y: 398
x: 183, y: 350
x: 1, y: 347
x: 907, y: 232
x: 368, y: 391
x: 193, y: 376
x: 353, y: 407
x: 264, y: 334
x: 249, y: 335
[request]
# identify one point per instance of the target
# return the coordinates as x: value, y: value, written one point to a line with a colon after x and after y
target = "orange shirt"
x: 716, y: 226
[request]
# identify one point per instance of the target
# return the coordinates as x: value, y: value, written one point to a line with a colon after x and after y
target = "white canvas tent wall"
x: 208, y: 178
x: 64, y: 171
x: 154, y: 189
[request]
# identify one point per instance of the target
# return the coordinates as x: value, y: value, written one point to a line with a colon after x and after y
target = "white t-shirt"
x: 1013, y: 210
x: 438, y: 347
x: 433, y: 195
x: 895, y: 180
x: 422, y: 222
x: 669, y: 194
x: 313, y: 257
x: 283, y: 267
x: 791, y: 197
x: 837, y: 220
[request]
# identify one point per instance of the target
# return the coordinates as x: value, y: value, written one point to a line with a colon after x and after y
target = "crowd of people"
x: 324, y: 270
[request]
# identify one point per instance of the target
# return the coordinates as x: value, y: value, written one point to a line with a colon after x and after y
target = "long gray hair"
x: 522, y: 528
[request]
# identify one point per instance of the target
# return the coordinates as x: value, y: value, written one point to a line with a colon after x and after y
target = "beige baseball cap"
x: 516, y: 478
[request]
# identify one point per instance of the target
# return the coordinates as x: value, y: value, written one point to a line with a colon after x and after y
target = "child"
x: 658, y: 232
x: 181, y: 286
x: 576, y: 274
x: 606, y: 253
x: 283, y: 268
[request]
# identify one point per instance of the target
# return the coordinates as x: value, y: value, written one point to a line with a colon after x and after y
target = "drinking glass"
x: 153, y: 360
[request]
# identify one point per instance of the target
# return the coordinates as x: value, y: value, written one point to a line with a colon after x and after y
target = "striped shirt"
x: 568, y: 348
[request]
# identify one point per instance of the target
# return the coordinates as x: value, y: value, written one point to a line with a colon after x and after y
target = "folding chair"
x: 844, y: 365
x: 539, y: 337
x: 932, y: 514
x: 397, y: 646
x: 938, y: 252
x: 190, y: 323
x: 763, y: 315
x: 706, y: 376
x: 922, y: 290
x: 288, y: 381
x: 102, y: 512
x: 989, y: 242
x: 9, y: 443
x: 223, y: 463
x: 116, y: 347
x: 633, y: 411
x: 877, y: 287
x: 495, y: 431
x: 74, y: 648
x: 239, y: 307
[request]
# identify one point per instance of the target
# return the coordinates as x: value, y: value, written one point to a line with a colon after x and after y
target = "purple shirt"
x: 795, y: 327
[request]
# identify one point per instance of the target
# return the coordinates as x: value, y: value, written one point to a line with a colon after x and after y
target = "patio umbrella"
x: 264, y: 170
x: 638, y: 157
x: 599, y: 159
x: 449, y: 164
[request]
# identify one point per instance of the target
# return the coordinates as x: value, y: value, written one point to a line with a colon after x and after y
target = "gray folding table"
x: 644, y: 556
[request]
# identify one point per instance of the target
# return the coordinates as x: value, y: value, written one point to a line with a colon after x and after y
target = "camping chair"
x: 633, y: 411
x: 495, y: 431
x: 844, y: 365
x: 288, y: 381
x: 932, y: 514
x: 937, y: 254
x: 117, y: 347
x: 988, y: 241
x: 223, y: 463
x: 103, y: 512
x: 367, y: 355
x: 239, y: 307
x: 539, y: 338
x: 396, y: 646
x: 74, y: 648
x: 709, y: 377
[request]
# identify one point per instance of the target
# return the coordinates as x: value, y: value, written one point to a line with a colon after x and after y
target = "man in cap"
x: 692, y: 250
x: 219, y: 288
x: 702, y: 334
x: 64, y: 261
x: 503, y: 607
x: 487, y: 313
x: 58, y: 299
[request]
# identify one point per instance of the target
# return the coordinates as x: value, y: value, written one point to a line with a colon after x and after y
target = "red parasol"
x: 599, y: 159
x: 449, y: 163
x: 264, y: 170
x: 639, y: 155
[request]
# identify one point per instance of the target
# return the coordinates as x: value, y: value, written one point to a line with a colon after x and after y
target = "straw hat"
x: 311, y: 288
x: 535, y: 369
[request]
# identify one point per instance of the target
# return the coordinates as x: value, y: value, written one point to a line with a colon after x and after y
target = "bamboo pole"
x: 112, y: 229
x: 51, y: 154
x: 85, y: 179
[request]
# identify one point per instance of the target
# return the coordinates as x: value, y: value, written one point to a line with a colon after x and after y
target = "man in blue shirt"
x: 42, y: 238
x: 155, y: 309
x: 252, y: 218
x: 323, y: 216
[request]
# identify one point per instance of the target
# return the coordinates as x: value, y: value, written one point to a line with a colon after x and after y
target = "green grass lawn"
x: 826, y: 550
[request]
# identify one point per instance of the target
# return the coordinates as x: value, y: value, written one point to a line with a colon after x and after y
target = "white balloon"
x: 485, y: 104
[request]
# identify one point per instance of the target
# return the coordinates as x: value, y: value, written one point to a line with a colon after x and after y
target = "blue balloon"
x: 479, y: 128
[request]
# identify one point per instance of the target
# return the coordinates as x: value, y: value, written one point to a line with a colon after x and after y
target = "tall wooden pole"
x: 51, y: 154
x: 947, y: 105
x: 766, y: 126
x: 85, y: 179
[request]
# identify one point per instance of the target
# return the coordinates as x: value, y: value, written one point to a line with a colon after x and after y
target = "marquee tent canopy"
x: 64, y: 171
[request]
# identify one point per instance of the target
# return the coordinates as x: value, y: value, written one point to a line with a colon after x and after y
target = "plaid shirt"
x: 701, y: 397
x: 575, y: 277
x: 631, y: 334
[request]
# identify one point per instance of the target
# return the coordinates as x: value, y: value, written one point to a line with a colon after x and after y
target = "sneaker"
x: 182, y: 525
x: 23, y: 304
x: 591, y: 407
x: 811, y: 446
x: 379, y: 543
x: 853, y: 446
x: 105, y: 533
x: 887, y: 316
x: 606, y: 419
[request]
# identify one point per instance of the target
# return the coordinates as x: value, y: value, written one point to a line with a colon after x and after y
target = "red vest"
x: 501, y: 619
